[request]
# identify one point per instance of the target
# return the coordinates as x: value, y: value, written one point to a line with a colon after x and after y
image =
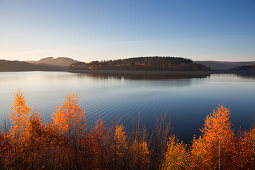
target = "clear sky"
x: 107, y: 29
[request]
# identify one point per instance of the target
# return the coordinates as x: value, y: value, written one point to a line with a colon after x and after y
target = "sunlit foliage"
x: 245, y: 157
x: 140, y: 154
x: 70, y: 117
x: 139, y: 151
x: 100, y: 145
x: 120, y: 147
x: 67, y: 143
x: 176, y: 156
x: 215, y: 147
x: 19, y: 115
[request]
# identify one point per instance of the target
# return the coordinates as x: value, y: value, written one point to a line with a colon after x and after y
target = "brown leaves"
x: 120, y: 140
x: 100, y: 143
x: 245, y: 156
x: 140, y: 155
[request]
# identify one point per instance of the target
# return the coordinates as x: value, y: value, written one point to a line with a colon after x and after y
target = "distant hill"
x: 6, y: 65
x: 55, y: 62
x: 247, y: 67
x: 16, y: 66
x: 223, y: 65
x: 142, y: 63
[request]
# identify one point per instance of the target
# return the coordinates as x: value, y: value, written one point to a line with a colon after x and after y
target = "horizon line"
x: 55, y: 57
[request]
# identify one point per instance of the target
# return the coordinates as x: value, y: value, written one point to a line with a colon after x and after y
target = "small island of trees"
x: 143, y: 63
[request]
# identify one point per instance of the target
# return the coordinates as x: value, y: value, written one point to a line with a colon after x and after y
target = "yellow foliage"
x: 120, y: 140
x: 19, y: 115
x: 100, y: 145
x: 246, y: 149
x: 176, y: 156
x: 70, y: 117
x: 215, y: 147
x: 65, y: 143
x: 140, y: 154
x: 120, y: 147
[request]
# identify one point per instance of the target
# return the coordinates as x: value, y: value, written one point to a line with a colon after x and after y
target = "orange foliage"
x: 215, y: 147
x: 245, y: 157
x: 4, y: 148
x: 176, y: 156
x: 19, y: 115
x: 120, y: 146
x: 70, y: 117
x: 100, y: 145
x: 67, y: 144
x: 120, y: 140
x: 140, y: 154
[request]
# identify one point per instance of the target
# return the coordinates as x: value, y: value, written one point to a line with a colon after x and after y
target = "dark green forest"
x: 143, y: 63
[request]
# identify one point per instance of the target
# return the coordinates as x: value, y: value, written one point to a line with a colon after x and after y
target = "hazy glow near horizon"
x: 95, y: 30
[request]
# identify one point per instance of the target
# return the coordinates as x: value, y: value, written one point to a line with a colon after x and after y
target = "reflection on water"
x: 185, y: 100
x: 138, y: 76
x: 246, y: 76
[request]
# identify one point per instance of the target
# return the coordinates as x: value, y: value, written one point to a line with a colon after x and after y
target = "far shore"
x: 141, y: 72
x: 146, y: 72
x: 169, y: 73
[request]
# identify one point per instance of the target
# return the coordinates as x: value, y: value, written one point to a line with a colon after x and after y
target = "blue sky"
x: 108, y: 29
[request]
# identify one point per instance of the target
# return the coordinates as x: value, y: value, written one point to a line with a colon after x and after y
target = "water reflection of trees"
x: 246, y: 76
x: 138, y: 76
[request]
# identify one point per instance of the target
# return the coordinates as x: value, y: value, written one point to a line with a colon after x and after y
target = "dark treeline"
x: 6, y: 65
x: 67, y: 143
x: 248, y: 67
x: 142, y: 63
x: 129, y: 76
x: 16, y: 66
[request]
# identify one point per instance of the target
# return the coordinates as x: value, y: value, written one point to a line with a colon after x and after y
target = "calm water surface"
x: 185, y: 101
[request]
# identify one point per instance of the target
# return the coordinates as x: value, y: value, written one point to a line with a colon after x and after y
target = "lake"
x: 185, y: 101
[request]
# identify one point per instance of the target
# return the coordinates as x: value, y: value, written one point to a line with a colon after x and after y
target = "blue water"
x: 185, y: 101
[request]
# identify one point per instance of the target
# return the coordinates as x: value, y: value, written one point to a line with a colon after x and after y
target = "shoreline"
x: 145, y: 72
x: 167, y: 73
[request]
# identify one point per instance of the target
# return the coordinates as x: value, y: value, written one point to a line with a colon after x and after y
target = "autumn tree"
x: 120, y: 147
x: 56, y: 145
x: 35, y: 144
x: 18, y: 133
x: 159, y: 140
x: 19, y: 115
x: 100, y: 145
x: 4, y: 149
x: 140, y: 155
x: 245, y: 157
x: 139, y: 151
x: 176, y: 156
x: 45, y: 146
x: 70, y: 118
x: 66, y: 143
x: 215, y: 147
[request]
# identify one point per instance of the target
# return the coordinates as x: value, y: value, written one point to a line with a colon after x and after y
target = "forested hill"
x: 224, y: 65
x: 143, y: 63
x: 63, y: 62
x: 6, y: 65
x: 247, y: 67
x: 15, y: 66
